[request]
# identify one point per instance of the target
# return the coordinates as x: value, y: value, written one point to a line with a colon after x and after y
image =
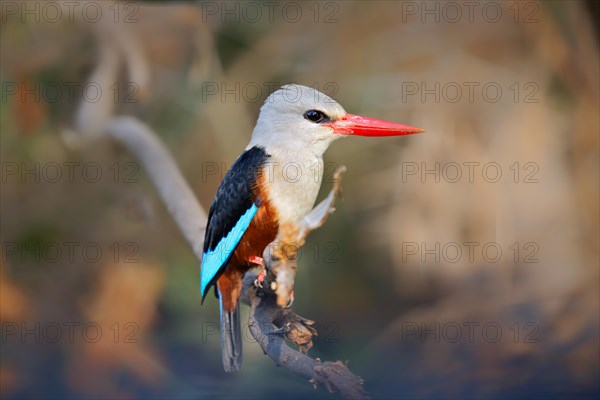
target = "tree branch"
x: 160, y: 166
x: 265, y: 313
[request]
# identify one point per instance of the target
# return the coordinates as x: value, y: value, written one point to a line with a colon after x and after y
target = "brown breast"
x: 261, y: 231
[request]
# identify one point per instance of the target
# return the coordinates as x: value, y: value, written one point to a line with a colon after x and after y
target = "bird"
x: 274, y: 181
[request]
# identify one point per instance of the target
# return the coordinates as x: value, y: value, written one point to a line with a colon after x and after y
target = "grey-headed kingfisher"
x: 275, y: 180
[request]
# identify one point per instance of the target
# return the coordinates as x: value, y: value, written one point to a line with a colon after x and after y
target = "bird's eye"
x: 315, y: 116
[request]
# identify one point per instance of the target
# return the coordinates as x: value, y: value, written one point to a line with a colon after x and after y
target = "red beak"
x: 363, y: 126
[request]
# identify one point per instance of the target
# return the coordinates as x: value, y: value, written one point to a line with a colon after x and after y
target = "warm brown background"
x: 356, y: 277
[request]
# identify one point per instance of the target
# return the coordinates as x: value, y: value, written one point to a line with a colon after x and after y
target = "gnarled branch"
x: 265, y: 314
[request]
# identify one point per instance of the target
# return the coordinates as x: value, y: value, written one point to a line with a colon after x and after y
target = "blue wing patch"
x: 213, y: 260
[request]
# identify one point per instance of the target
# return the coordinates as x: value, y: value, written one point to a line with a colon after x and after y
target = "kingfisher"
x: 274, y: 181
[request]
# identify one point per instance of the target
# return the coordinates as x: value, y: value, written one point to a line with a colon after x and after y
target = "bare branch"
x: 160, y: 166
x: 269, y: 323
x: 91, y: 117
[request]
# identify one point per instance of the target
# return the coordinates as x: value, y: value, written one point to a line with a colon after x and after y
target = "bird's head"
x: 297, y: 117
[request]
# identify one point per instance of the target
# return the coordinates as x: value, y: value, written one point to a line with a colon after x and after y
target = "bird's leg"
x: 261, y: 277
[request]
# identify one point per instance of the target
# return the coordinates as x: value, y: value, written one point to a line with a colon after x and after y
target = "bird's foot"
x: 257, y: 260
x: 289, y: 304
x: 261, y: 277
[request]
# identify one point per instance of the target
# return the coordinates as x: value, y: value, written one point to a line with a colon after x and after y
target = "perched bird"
x: 275, y: 180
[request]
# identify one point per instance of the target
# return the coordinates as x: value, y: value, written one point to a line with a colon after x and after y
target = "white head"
x: 299, y: 117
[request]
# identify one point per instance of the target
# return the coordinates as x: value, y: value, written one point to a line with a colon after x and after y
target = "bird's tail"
x: 231, y: 338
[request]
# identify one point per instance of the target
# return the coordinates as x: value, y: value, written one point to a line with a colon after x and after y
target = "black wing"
x: 230, y: 213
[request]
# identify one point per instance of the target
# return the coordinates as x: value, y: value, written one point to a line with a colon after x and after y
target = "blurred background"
x: 460, y: 263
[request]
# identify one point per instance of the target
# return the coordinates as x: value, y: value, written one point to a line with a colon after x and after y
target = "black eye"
x: 315, y: 116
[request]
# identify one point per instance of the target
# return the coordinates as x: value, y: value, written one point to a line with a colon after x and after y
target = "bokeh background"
x: 99, y: 290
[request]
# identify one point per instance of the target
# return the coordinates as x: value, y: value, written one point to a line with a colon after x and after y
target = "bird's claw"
x: 289, y: 304
x: 260, y: 279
